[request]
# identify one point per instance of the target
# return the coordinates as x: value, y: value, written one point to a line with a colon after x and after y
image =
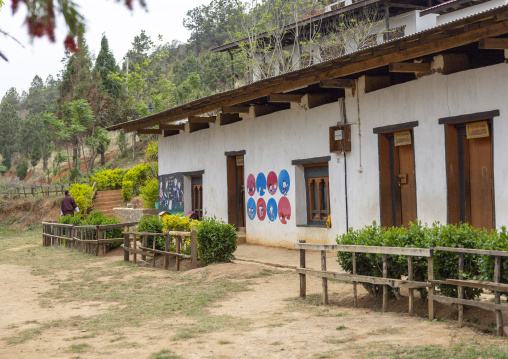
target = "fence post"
x: 303, y: 279
x: 460, y: 289
x: 153, y: 247
x: 410, y: 276
x: 355, y: 293
x: 178, y: 242
x: 497, y: 295
x: 167, y: 248
x: 194, y: 248
x: 134, y: 245
x: 430, y: 277
x: 145, y: 242
x: 385, y: 287
x: 324, y: 280
x: 126, y: 246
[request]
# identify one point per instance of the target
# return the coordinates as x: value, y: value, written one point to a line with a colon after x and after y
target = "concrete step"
x: 241, y: 239
x: 108, y: 203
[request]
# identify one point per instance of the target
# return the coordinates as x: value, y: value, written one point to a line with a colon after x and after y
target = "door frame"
x: 238, y: 195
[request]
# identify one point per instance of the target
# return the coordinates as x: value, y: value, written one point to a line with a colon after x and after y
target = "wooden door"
x: 236, y: 191
x: 471, y: 186
x: 397, y: 182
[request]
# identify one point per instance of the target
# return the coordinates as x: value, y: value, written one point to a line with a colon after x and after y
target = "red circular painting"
x: 284, y: 210
x: 251, y: 185
x: 261, y: 209
x: 272, y: 183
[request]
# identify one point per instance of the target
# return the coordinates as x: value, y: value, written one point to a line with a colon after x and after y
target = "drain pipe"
x: 345, y: 168
x: 360, y: 169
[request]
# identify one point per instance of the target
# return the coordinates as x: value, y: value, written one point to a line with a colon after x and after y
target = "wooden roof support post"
x: 493, y: 43
x: 202, y: 119
x: 413, y: 67
x: 285, y: 97
x: 338, y: 84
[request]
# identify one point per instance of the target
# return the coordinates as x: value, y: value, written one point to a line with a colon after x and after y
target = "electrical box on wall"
x: 340, y: 138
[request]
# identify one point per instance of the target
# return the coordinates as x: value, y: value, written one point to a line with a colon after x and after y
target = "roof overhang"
x: 451, y: 35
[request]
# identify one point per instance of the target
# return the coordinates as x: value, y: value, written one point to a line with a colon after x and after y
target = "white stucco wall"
x: 271, y: 142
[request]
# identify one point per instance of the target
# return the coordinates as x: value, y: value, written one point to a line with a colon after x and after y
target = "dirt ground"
x: 57, y: 303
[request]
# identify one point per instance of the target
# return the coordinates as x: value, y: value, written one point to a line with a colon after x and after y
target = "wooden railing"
x: 130, y: 245
x: 88, y: 239
x: 460, y: 282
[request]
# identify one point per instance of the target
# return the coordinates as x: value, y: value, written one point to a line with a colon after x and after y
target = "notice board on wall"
x: 171, y: 193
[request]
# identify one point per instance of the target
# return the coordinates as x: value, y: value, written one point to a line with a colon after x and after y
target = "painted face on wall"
x: 261, y: 183
x: 284, y: 182
x: 284, y: 210
x: 261, y: 209
x: 272, y: 182
x: 272, y: 209
x: 251, y: 185
x: 251, y: 208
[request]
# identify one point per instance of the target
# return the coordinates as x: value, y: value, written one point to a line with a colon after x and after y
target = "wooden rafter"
x: 491, y: 23
x: 236, y: 109
x: 202, y: 119
x: 172, y: 127
x: 411, y: 67
x: 267, y: 109
x: 149, y: 131
x: 338, y: 84
x: 228, y: 118
x: 493, y: 43
x: 285, y: 97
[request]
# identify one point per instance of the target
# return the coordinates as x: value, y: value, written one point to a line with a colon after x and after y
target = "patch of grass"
x: 460, y: 351
x: 341, y: 327
x: 337, y: 340
x: 276, y: 343
x: 79, y: 348
x: 263, y: 273
x: 223, y: 342
x: 383, y: 331
x: 86, y: 336
x: 25, y: 335
x: 115, y: 339
x: 164, y: 354
x: 275, y: 325
x: 324, y: 355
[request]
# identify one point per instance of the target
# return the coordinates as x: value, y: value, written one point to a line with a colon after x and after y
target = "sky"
x: 42, y: 57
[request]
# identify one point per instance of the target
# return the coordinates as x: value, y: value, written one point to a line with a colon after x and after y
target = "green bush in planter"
x: 152, y: 224
x: 216, y: 241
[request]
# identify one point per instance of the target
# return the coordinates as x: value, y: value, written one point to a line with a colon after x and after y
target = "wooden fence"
x: 460, y: 282
x: 32, y: 191
x: 130, y: 245
x: 88, y: 239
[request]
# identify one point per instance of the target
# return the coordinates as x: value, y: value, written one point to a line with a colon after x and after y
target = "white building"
x: 410, y: 129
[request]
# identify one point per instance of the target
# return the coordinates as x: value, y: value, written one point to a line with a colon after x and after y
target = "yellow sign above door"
x: 477, y: 130
x: 402, y: 138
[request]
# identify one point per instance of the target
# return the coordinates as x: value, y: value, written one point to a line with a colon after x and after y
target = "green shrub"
x: 22, y: 169
x: 497, y: 241
x: 417, y: 236
x: 150, y: 193
x: 217, y: 241
x: 139, y: 175
x: 152, y: 224
x: 108, y: 179
x: 180, y: 223
x: 68, y: 219
x: 83, y: 195
x: 97, y: 218
x: 127, y: 190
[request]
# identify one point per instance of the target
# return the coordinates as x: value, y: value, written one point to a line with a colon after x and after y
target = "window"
x: 318, y: 193
x: 197, y: 195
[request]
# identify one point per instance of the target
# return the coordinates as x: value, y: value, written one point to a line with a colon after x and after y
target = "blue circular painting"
x: 284, y: 182
x: 261, y: 183
x: 251, y: 208
x: 271, y: 209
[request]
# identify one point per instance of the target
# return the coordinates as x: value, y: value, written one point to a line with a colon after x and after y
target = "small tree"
x: 22, y: 169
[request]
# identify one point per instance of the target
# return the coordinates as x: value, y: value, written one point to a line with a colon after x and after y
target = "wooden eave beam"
x: 459, y: 33
x: 202, y: 119
x: 235, y: 109
x: 228, y: 118
x: 409, y: 67
x: 285, y: 97
x: 338, y: 84
x: 490, y: 43
x: 405, y: 6
x: 267, y: 109
x: 149, y: 131
x: 172, y: 127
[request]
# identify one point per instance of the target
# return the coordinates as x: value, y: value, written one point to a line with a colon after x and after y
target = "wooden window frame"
x: 197, y: 195
x: 317, y: 174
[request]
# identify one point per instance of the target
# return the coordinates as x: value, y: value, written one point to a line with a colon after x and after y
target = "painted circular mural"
x: 261, y: 209
x: 271, y: 182
x: 284, y: 182
x: 251, y: 185
x: 271, y: 209
x: 251, y: 208
x: 284, y: 209
x: 261, y: 183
